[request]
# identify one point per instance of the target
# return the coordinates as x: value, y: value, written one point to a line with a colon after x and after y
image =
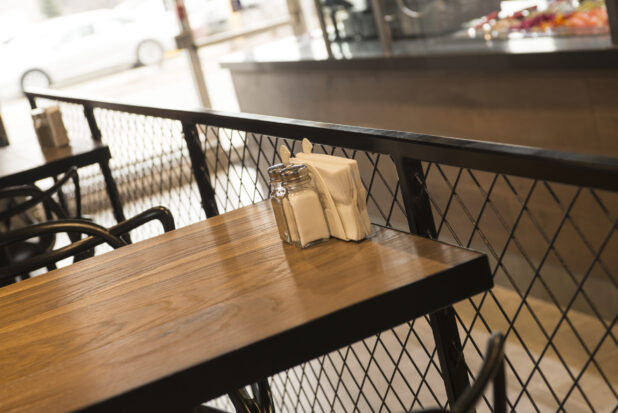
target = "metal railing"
x: 547, y: 221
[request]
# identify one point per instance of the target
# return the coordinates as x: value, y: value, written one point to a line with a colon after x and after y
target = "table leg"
x: 450, y: 353
x: 443, y: 323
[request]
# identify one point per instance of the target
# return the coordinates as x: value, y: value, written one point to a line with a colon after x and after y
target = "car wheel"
x: 35, y: 79
x: 149, y: 52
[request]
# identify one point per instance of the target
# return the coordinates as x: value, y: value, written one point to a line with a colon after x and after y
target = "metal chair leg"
x: 243, y: 403
x: 261, y: 402
x: 261, y: 391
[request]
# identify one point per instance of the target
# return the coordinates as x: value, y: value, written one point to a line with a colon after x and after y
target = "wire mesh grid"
x: 151, y: 166
x: 238, y: 163
x: 95, y: 202
x: 396, y: 370
x: 74, y: 119
x: 551, y: 247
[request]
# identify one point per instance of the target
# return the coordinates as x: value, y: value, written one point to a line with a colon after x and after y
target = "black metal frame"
x: 99, y: 155
x: 571, y: 168
x: 33, y: 197
x: 492, y: 370
x: 97, y: 234
x: 409, y: 152
x: 38, y: 196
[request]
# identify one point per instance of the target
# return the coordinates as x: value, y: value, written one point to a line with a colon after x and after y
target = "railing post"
x: 110, y: 184
x: 200, y: 169
x: 92, y: 123
x: 443, y: 323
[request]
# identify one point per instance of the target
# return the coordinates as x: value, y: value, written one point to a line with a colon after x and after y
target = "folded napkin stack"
x: 341, y: 192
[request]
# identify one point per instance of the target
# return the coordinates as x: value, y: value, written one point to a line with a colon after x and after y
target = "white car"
x: 73, y: 46
x: 211, y: 15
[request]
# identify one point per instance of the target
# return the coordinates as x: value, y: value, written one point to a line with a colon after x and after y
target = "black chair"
x: 261, y: 402
x: 37, y: 196
x: 79, y: 248
x: 492, y: 370
x: 19, y: 201
x: 243, y: 402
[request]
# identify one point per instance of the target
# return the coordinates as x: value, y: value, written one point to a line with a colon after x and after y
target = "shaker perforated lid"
x: 38, y: 113
x: 295, y: 173
x: 274, y: 172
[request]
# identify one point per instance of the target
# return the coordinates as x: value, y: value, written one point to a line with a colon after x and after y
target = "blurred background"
x: 125, y: 50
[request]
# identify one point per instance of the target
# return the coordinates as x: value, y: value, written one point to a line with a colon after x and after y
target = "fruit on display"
x: 560, y: 17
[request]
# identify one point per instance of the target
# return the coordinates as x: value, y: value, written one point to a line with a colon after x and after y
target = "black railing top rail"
x: 564, y: 167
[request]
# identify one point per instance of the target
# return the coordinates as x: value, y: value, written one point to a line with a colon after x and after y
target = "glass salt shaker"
x: 302, y: 207
x: 277, y: 194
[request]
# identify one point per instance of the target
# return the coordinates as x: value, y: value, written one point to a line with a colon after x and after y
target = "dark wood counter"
x: 564, y: 100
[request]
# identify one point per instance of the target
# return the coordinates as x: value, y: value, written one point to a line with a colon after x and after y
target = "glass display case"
x: 400, y: 27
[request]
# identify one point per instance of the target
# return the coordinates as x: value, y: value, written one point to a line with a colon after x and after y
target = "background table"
x: 28, y: 163
x: 178, y: 319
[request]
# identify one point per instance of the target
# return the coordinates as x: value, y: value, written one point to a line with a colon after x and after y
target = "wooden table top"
x: 22, y: 163
x: 188, y: 315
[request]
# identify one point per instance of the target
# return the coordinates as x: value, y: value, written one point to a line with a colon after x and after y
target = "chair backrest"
x: 81, y: 248
x: 492, y: 370
x: 17, y: 204
x: 37, y: 196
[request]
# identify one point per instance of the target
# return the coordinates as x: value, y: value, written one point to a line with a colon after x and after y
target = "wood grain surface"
x: 168, y: 322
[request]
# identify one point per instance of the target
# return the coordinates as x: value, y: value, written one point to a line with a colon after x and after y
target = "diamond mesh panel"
x: 73, y: 117
x: 238, y: 163
x: 551, y: 248
x: 74, y: 120
x: 395, y: 371
x: 151, y: 166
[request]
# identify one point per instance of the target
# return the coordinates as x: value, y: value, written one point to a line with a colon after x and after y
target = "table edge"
x: 293, y: 346
x: 100, y: 153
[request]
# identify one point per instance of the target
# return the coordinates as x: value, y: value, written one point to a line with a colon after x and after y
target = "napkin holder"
x: 49, y: 127
x: 341, y: 191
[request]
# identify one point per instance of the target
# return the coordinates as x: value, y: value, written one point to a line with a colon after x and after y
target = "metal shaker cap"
x: 296, y: 172
x: 38, y: 113
x: 274, y: 172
